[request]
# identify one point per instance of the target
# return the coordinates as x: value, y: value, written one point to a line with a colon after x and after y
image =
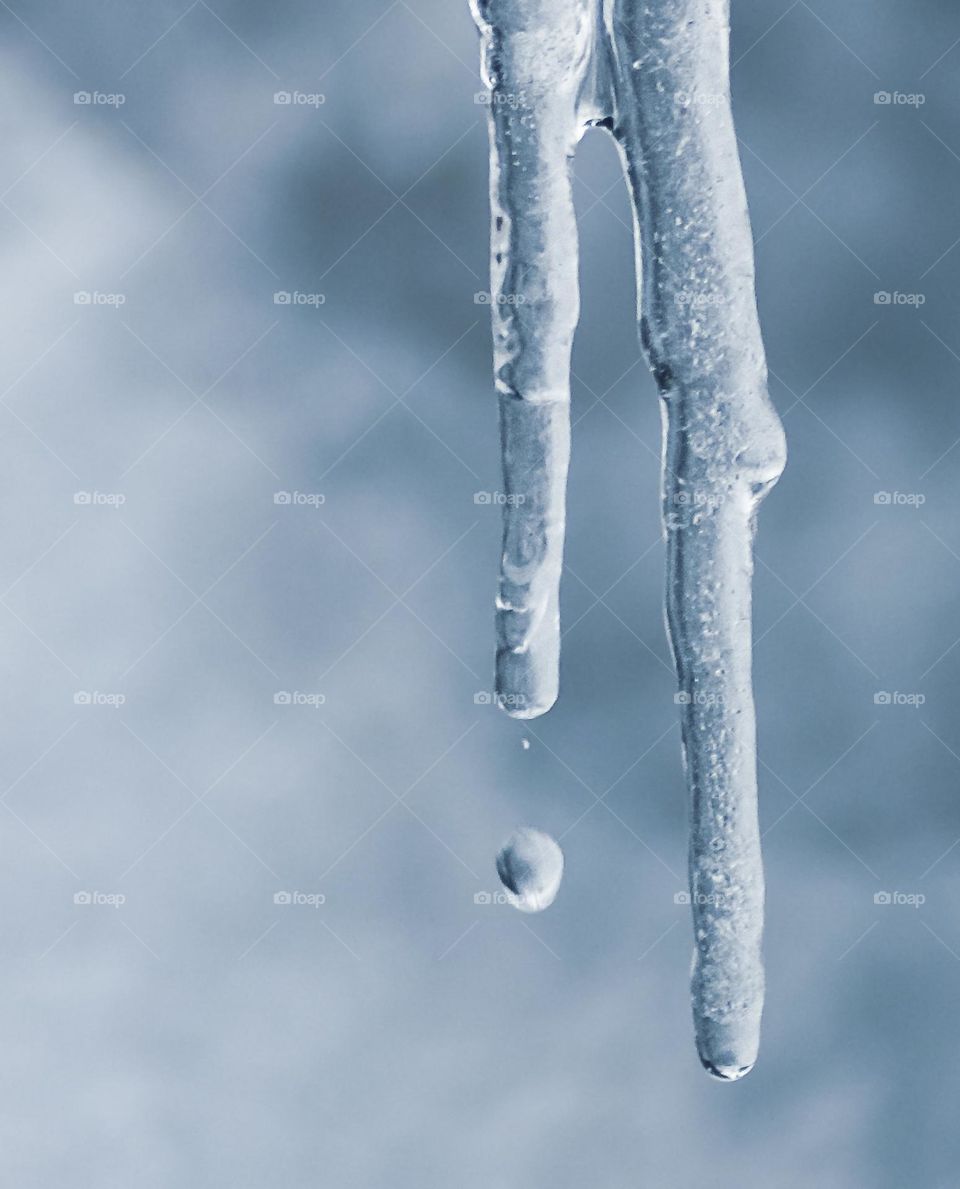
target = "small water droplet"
x: 530, y: 865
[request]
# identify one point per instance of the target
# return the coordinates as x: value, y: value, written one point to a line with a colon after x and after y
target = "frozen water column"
x: 537, y: 56
x: 723, y: 450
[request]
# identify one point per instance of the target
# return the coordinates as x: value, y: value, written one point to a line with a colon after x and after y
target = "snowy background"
x: 155, y: 599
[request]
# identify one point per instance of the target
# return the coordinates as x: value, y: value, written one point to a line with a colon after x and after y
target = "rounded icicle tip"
x: 526, y: 686
x: 530, y: 866
x: 728, y: 1048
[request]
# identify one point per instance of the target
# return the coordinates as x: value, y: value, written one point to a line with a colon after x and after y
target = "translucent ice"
x: 530, y: 865
x: 724, y: 450
x: 656, y: 74
x: 534, y: 58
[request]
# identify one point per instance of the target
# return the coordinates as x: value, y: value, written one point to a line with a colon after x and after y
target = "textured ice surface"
x: 530, y: 865
x: 655, y: 73
x: 535, y: 54
x: 724, y: 449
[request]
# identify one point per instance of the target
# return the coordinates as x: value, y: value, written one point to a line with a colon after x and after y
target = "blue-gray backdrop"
x: 250, y: 785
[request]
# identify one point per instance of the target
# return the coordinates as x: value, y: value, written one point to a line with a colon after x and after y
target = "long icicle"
x: 724, y: 449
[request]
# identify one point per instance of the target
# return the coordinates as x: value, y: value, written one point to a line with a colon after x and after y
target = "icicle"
x: 724, y: 449
x: 655, y: 73
x: 535, y: 54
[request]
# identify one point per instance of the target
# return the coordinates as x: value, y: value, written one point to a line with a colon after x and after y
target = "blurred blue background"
x: 250, y: 789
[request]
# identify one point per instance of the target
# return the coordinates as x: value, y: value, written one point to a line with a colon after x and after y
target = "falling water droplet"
x: 530, y: 865
x: 525, y: 744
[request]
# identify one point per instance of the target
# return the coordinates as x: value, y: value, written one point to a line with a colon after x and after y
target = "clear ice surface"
x: 530, y: 866
x: 656, y: 75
